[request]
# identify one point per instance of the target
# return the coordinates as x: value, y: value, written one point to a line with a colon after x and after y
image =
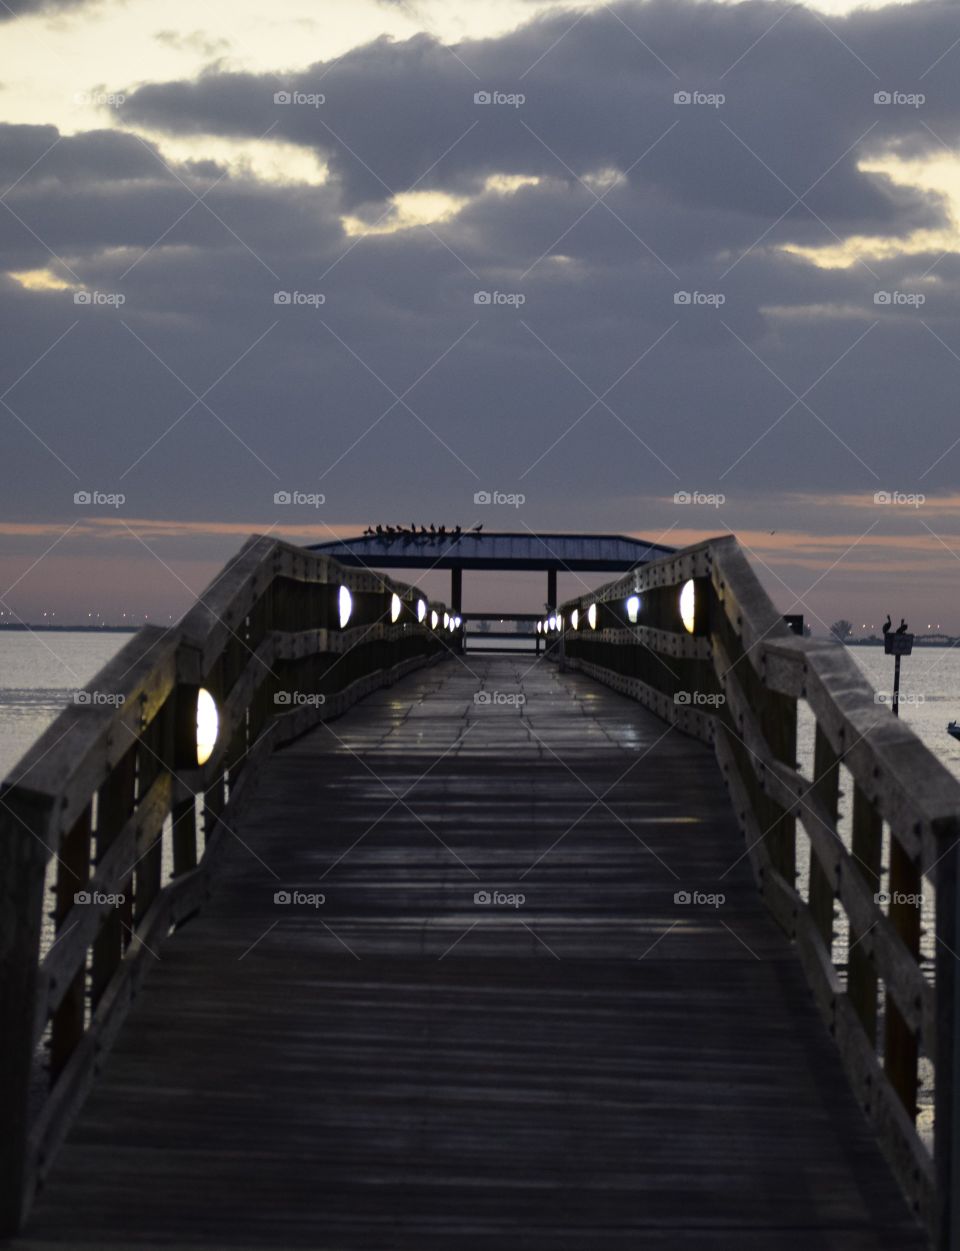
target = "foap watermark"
x: 886, y: 697
x: 712, y: 99
x: 513, y: 299
x: 912, y: 99
x: 912, y: 499
x: 299, y: 898
x: 906, y: 299
x: 298, y: 699
x: 110, y: 299
x: 899, y: 898
x: 308, y: 299
x: 498, y: 899
x: 506, y: 498
x: 710, y: 299
x: 312, y: 499
x: 512, y: 98
x: 99, y: 899
x: 714, y: 499
x: 100, y: 699
x: 699, y: 699
x: 100, y: 99
x: 103, y: 499
x: 312, y: 98
x: 500, y: 699
x: 703, y: 899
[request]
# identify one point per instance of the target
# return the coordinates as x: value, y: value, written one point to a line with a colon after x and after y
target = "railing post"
x: 73, y: 874
x: 946, y: 1153
x: 900, y: 1042
x: 861, y: 973
x: 24, y: 836
x: 826, y: 784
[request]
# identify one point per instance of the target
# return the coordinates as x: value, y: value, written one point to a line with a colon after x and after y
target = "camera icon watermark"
x: 884, y: 898
x: 713, y: 499
x: 511, y: 299
x: 99, y: 699
x: 912, y: 99
x: 299, y: 898
x: 712, y: 99
x: 509, y: 499
x: 912, y: 499
x: 312, y: 98
x: 708, y: 299
x: 111, y: 299
x: 512, y: 98
x: 700, y: 898
x: 98, y: 899
x: 298, y: 699
x: 699, y: 699
x: 308, y: 299
x: 499, y: 699
x: 313, y: 499
x: 903, y: 299
x: 105, y: 499
x: 498, y: 899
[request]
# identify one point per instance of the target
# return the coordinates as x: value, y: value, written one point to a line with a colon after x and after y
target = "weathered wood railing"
x: 695, y: 638
x: 116, y: 816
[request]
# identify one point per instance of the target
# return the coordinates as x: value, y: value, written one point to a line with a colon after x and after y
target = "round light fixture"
x: 446, y: 620
x: 592, y: 616
x: 575, y: 618
x: 552, y: 623
x: 539, y: 627
x: 208, y: 725
x: 688, y: 606
x: 633, y: 609
x: 346, y: 606
x: 433, y: 620
x: 421, y: 610
x: 395, y: 608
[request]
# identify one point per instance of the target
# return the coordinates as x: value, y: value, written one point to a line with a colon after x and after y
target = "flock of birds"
x: 412, y: 532
x: 901, y: 628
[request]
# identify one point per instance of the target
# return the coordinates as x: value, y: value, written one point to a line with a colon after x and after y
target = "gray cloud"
x: 598, y: 280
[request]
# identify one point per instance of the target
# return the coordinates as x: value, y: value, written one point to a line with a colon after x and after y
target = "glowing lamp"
x: 346, y: 606
x: 208, y: 725
x: 688, y: 606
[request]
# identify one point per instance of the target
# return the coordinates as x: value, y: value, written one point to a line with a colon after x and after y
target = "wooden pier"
x: 464, y: 951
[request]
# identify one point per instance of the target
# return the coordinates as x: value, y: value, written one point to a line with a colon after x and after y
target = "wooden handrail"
x: 749, y: 673
x: 110, y: 791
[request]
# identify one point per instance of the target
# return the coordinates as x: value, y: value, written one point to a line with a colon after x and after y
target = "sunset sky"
x: 720, y: 244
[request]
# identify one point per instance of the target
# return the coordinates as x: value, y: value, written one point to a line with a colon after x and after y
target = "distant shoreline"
x: 24, y: 628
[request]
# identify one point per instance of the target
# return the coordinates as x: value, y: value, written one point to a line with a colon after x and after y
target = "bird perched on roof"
x: 433, y: 528
x: 887, y: 624
x: 902, y: 627
x: 457, y: 530
x: 477, y: 528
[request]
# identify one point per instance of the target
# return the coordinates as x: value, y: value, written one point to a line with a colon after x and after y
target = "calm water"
x: 40, y: 672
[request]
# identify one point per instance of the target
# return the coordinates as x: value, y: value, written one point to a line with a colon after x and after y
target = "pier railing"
x: 695, y: 638
x: 110, y: 826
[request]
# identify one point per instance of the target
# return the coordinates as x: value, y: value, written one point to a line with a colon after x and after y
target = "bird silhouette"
x: 887, y: 624
x: 477, y: 528
x: 457, y: 532
x: 433, y: 528
x: 379, y: 532
x: 369, y: 530
x: 902, y: 627
x: 442, y: 532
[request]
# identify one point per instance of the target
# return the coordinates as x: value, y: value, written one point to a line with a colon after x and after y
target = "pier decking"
x: 319, y: 930
x: 402, y: 1067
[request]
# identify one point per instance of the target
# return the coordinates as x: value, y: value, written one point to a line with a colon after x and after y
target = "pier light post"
x: 897, y: 645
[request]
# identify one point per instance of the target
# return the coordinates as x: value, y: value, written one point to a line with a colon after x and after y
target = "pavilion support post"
x: 551, y: 588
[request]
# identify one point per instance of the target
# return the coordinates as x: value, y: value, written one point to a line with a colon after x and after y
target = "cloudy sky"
x: 664, y: 268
